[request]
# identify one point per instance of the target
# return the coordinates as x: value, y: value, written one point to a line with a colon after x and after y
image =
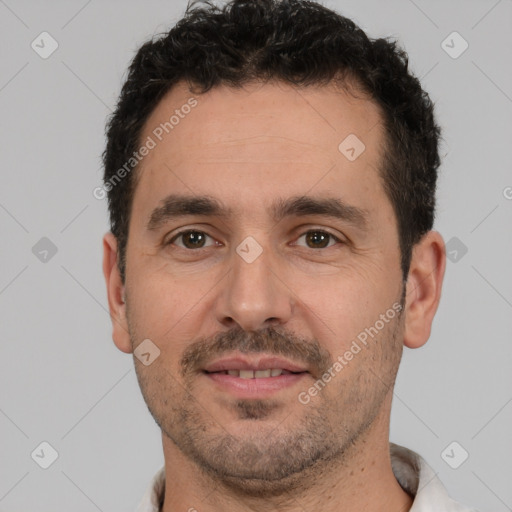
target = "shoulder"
x: 418, y: 479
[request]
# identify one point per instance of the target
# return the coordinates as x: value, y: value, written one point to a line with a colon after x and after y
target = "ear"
x: 115, y: 293
x: 424, y: 283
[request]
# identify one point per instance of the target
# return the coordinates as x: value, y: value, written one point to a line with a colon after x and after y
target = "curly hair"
x: 294, y: 41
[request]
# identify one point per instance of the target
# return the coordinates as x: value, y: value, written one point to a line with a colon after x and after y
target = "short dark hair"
x: 297, y: 42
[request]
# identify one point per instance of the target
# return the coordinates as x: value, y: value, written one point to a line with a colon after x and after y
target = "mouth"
x: 263, y: 366
x: 256, y: 378
x: 255, y: 374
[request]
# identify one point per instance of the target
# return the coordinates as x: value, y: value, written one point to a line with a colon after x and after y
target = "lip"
x: 259, y: 387
x: 254, y: 388
x: 261, y: 363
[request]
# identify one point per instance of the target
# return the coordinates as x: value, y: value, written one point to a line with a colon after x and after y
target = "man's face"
x: 302, y: 287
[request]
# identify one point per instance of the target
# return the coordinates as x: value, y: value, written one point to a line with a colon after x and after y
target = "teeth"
x: 258, y: 374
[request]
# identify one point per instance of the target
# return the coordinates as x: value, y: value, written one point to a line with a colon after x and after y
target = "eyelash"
x: 186, y: 231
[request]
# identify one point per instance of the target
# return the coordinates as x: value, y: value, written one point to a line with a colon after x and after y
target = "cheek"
x: 171, y: 308
x: 343, y: 305
x: 157, y: 302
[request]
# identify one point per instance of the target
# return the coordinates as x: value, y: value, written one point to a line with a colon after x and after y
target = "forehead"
x: 264, y: 137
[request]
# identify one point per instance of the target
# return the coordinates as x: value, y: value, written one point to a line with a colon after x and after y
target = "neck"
x: 359, y: 479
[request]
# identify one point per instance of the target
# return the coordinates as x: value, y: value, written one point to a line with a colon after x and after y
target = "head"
x: 283, y: 205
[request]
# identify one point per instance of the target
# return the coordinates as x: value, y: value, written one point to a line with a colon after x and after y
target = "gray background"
x: 61, y: 378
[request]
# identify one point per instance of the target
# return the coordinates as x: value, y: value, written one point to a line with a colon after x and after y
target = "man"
x: 271, y: 178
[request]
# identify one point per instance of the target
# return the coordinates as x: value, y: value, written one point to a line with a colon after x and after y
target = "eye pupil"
x: 316, y: 236
x: 193, y: 235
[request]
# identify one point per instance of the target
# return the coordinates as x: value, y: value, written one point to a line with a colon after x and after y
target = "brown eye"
x: 317, y: 239
x: 191, y: 239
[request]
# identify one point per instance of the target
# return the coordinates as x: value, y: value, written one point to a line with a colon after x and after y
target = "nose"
x: 253, y: 295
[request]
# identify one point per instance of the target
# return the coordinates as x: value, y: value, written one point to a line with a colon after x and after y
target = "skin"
x: 246, y: 148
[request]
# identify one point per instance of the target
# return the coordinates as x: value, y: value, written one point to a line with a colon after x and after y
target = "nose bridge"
x: 253, y: 294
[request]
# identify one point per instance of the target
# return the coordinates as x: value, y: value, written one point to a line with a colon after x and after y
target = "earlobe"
x: 424, y: 285
x: 115, y: 294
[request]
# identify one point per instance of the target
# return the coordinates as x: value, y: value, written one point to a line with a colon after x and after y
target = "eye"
x: 318, y: 239
x: 192, y: 239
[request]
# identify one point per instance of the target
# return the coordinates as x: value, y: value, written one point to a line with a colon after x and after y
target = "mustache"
x: 269, y: 340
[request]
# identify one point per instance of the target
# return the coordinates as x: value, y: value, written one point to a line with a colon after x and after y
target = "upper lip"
x: 261, y: 363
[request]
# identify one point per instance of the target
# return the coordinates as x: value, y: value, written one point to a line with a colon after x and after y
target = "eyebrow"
x: 175, y: 206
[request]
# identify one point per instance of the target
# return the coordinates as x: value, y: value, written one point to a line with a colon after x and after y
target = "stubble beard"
x: 272, y: 459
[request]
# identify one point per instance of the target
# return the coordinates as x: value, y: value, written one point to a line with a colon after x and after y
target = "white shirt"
x: 413, y: 474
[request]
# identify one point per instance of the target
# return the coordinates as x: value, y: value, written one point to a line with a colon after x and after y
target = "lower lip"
x: 257, y: 387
